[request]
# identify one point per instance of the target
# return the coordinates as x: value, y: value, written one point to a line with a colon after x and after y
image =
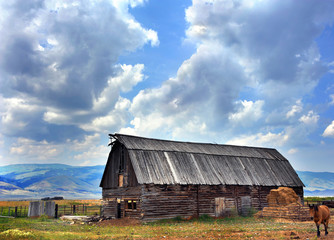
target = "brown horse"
x: 320, y: 215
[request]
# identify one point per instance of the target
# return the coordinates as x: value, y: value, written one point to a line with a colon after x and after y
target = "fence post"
x: 15, y: 213
x: 9, y: 211
x: 1, y: 210
x: 56, y: 211
x: 73, y: 209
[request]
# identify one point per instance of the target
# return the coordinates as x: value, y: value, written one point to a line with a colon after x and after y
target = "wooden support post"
x: 15, y: 213
x: 259, y: 197
x: 56, y: 211
x: 197, y: 201
x: 74, y: 209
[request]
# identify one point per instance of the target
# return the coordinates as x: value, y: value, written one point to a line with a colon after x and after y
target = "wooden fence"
x: 78, y: 210
x: 329, y: 203
x: 22, y: 211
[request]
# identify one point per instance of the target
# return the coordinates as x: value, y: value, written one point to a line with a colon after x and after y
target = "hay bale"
x: 284, y: 203
x: 282, y: 196
x: 293, y: 211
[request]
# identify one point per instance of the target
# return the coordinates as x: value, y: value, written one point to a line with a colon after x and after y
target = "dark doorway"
x: 119, y: 212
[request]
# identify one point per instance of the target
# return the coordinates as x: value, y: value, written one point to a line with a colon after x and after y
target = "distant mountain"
x: 317, y: 183
x: 35, y: 181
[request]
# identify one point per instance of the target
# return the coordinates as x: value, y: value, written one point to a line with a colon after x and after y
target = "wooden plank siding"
x: 111, y: 173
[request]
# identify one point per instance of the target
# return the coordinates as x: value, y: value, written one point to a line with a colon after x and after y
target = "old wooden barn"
x: 153, y: 179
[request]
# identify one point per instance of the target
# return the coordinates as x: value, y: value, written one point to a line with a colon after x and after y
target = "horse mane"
x: 316, y: 209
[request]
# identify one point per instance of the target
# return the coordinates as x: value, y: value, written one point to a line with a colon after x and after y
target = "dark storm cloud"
x: 19, y: 57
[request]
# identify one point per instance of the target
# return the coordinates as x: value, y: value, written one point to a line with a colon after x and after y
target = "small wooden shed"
x: 152, y: 179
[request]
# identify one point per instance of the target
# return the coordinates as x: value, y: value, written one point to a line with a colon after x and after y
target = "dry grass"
x: 91, y: 202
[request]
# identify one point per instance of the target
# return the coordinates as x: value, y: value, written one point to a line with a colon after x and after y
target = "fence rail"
x: 22, y: 211
x: 79, y: 210
x: 329, y: 203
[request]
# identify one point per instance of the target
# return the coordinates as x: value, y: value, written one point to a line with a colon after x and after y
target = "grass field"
x: 88, y: 207
x: 203, y: 228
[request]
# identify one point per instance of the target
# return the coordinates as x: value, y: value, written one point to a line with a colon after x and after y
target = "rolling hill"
x: 35, y: 181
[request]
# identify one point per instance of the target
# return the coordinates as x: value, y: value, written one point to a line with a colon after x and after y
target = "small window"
x: 120, y: 180
x: 131, y: 204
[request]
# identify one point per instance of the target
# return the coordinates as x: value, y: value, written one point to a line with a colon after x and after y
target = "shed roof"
x: 171, y: 162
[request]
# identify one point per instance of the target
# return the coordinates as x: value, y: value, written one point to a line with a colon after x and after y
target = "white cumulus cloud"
x: 297, y: 108
x: 310, y: 119
x: 329, y: 131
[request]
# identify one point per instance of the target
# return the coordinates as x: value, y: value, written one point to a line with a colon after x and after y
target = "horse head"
x: 313, y: 210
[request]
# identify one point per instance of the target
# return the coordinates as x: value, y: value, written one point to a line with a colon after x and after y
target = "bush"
x: 43, y: 218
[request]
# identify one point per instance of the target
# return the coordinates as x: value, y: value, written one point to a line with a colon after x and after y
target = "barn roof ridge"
x: 189, y: 142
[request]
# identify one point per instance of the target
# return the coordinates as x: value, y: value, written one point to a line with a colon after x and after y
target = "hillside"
x: 317, y: 183
x: 34, y: 181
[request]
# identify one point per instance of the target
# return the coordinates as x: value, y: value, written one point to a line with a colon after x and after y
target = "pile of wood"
x: 284, y: 203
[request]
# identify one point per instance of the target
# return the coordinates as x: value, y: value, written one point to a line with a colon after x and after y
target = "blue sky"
x: 255, y: 73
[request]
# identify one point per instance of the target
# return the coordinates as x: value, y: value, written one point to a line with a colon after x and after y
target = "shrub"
x: 43, y: 218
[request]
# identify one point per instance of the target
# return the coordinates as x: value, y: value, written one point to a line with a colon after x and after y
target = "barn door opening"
x: 224, y: 207
x: 246, y: 205
x: 219, y: 206
x: 119, y: 211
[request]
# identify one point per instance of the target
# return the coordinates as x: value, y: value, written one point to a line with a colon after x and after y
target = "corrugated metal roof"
x: 170, y: 162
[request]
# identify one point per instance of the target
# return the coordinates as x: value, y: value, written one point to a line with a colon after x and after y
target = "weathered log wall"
x: 113, y: 197
x: 167, y: 201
